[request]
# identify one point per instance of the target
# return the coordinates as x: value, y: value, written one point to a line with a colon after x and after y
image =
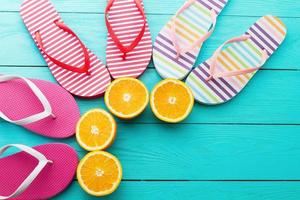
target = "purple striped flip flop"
x: 178, y: 44
x: 231, y: 67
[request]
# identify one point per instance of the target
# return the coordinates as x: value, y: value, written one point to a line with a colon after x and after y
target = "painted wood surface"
x: 245, y: 149
x: 195, y: 151
x: 262, y: 101
x: 91, y: 29
x: 194, y: 190
x: 236, y: 7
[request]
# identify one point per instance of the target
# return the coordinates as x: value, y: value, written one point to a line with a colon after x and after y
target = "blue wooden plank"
x: 194, y: 191
x: 15, y: 39
x: 214, y: 143
x: 288, y: 8
x: 272, y: 97
x: 194, y: 151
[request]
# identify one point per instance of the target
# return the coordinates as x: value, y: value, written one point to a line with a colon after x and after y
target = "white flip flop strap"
x: 36, y: 117
x: 43, y: 161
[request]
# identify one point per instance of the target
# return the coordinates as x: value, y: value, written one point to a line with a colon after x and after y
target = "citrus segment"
x: 96, y: 130
x: 171, y: 100
x: 126, y: 97
x: 99, y: 173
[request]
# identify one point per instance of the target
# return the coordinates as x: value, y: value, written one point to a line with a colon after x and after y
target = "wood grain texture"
x: 19, y: 49
x: 194, y: 190
x: 261, y: 102
x: 219, y: 152
x: 287, y: 8
x: 194, y: 151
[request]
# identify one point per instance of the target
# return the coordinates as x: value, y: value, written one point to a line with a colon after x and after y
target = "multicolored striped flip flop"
x: 129, y: 44
x: 228, y: 71
x: 178, y: 44
x: 74, y: 66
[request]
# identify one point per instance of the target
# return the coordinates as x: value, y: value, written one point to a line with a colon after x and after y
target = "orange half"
x: 171, y: 100
x: 99, y: 173
x: 126, y: 98
x: 96, y: 130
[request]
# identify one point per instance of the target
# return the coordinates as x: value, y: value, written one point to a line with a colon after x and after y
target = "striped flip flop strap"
x: 174, y: 37
x: 213, y: 73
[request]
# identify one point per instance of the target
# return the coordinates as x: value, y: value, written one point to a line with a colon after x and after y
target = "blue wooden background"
x: 248, y: 148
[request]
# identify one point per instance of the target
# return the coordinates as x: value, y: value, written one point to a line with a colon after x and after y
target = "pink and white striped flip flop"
x: 129, y: 45
x: 40, y: 172
x: 74, y: 66
x: 39, y: 106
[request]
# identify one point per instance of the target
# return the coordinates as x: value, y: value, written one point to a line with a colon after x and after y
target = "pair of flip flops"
x: 73, y: 65
x: 233, y: 64
x: 40, y: 172
x: 47, y: 109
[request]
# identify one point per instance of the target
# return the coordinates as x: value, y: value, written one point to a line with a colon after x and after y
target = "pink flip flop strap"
x: 43, y: 161
x: 214, y: 61
x: 174, y: 37
x: 84, y: 68
x: 115, y: 38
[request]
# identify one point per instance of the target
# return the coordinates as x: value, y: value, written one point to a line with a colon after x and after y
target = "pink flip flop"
x: 39, y: 106
x: 40, y: 172
x: 74, y: 66
x: 129, y: 44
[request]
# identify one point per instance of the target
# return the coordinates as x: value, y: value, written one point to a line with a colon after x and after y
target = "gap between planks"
x: 149, y: 13
x: 154, y: 180
x: 149, y: 67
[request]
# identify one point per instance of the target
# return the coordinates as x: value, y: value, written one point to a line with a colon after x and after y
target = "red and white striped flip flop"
x: 74, y: 66
x: 129, y: 44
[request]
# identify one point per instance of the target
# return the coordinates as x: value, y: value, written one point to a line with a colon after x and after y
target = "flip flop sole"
x: 39, y: 15
x: 51, y: 181
x: 192, y: 24
x: 18, y: 101
x: 127, y: 22
x: 266, y: 34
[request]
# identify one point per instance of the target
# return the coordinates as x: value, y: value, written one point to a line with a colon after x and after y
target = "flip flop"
x: 40, y: 172
x: 74, y: 66
x: 178, y: 44
x: 234, y: 63
x: 129, y: 44
x: 39, y: 106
